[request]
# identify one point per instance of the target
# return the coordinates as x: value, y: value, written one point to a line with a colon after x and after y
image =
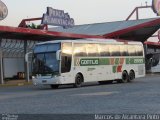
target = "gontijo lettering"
x: 89, y: 62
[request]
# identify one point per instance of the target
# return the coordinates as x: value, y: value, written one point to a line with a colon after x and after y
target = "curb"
x: 16, y: 84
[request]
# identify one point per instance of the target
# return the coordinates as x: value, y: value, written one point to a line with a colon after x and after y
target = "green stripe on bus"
x: 106, y: 61
x: 135, y: 60
x: 117, y: 61
x: 114, y: 69
x: 127, y: 61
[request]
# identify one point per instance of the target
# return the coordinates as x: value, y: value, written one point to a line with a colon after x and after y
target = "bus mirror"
x: 58, y: 55
x: 27, y: 56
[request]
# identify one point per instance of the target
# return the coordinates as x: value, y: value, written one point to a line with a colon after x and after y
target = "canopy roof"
x: 35, y: 34
x: 138, y: 30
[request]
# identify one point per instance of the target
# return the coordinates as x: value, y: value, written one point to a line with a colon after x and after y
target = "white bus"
x: 86, y: 60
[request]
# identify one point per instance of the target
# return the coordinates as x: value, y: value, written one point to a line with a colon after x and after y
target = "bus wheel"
x: 54, y: 86
x: 78, y: 81
x: 125, y: 77
x: 131, y: 76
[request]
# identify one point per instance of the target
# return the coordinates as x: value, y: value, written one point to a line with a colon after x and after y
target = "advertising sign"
x: 57, y: 18
x: 156, y: 6
x: 3, y: 10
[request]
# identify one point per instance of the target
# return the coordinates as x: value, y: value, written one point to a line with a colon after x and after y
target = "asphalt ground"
x: 142, y: 96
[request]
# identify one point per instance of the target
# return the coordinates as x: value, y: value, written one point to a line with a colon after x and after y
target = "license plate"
x: 44, y: 81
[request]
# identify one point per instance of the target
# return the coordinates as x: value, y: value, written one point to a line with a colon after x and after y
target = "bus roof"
x: 111, y: 41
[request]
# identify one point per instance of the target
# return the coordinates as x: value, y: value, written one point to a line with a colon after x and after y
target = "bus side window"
x: 92, y: 50
x: 66, y: 61
x: 123, y: 50
x: 66, y: 57
x: 132, y: 50
x: 139, y: 50
x: 103, y: 50
x: 80, y: 50
x: 114, y: 50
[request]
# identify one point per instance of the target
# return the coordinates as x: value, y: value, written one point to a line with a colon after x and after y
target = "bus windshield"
x: 45, y: 63
x: 44, y: 59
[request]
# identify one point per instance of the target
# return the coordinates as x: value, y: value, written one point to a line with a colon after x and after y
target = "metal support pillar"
x: 26, y: 64
x: 137, y: 14
x: 1, y: 63
x: 136, y: 10
x: 145, y: 49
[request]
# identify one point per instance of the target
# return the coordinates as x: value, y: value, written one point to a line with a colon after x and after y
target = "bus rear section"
x: 108, y: 61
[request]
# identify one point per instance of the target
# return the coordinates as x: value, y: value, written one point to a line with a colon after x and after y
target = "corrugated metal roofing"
x: 15, y: 48
x: 102, y: 28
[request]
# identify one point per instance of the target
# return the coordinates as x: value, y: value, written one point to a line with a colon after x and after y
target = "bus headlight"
x: 54, y: 76
x: 33, y: 77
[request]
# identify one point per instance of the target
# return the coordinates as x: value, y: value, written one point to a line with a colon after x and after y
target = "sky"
x: 83, y: 11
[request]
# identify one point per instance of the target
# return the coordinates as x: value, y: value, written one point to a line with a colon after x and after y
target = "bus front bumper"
x: 47, y: 81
